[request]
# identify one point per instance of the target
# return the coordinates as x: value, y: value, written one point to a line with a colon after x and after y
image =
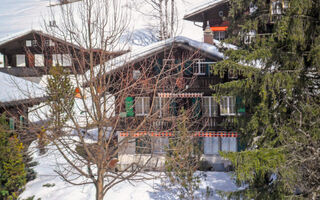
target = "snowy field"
x: 148, y: 190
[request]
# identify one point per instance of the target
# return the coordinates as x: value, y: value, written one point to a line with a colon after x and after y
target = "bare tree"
x: 89, y: 136
x: 163, y: 15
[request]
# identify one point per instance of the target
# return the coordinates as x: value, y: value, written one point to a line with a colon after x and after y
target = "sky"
x: 20, y: 15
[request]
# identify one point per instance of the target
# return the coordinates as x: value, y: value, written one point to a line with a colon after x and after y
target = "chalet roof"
x: 15, y: 89
x: 143, y: 52
x: 194, y: 13
x: 12, y: 37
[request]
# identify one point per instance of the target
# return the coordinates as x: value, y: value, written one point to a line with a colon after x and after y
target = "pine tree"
x: 60, y: 98
x: 182, y: 161
x: 281, y: 127
x: 12, y: 168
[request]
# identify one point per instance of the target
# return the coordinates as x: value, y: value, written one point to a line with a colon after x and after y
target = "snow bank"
x: 148, y: 190
x: 14, y: 89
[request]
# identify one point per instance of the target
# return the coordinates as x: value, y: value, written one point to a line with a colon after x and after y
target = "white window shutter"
x: 21, y: 60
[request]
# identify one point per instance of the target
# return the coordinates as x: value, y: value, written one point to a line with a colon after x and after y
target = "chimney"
x: 208, y: 35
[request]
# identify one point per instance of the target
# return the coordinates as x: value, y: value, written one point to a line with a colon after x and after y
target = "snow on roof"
x: 202, y: 7
x: 150, y: 49
x: 14, y: 36
x: 15, y: 89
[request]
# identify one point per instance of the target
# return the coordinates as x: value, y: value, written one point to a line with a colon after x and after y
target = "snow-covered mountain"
x: 19, y: 15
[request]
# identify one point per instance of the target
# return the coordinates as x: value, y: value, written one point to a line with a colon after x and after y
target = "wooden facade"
x: 33, y: 53
x: 166, y: 82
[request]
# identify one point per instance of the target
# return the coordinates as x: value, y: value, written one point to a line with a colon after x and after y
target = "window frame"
x: 22, y: 57
x: 198, y: 67
x: 228, y: 106
x: 144, y: 111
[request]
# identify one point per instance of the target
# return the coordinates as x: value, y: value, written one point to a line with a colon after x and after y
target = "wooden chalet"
x: 177, y: 77
x: 17, y: 95
x: 214, y: 14
x: 32, y: 53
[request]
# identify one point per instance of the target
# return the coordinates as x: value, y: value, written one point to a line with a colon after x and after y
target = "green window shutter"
x: 21, y: 121
x: 240, y: 106
x: 11, y: 124
x: 129, y: 106
x: 157, y: 67
x: 197, y: 107
x: 188, y: 68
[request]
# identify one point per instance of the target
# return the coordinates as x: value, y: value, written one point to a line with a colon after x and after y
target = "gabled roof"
x: 15, y: 36
x: 141, y: 53
x: 195, y: 11
x: 14, y: 89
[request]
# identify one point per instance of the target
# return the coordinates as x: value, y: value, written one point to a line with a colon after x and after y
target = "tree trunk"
x: 99, y: 186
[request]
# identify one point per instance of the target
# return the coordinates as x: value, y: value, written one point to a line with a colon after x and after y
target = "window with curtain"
x: 211, y: 145
x: 21, y: 60
x: 227, y: 105
x: 160, y: 144
x: 209, y: 107
x: 144, y: 145
x: 229, y: 144
x: 39, y: 60
x: 142, y: 106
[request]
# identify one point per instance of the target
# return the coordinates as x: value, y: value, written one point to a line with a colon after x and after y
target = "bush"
x: 12, y: 168
x: 205, y: 166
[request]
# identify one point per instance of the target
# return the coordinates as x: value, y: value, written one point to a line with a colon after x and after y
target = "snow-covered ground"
x: 57, y: 189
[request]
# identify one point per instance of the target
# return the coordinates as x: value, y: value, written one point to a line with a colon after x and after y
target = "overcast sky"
x: 20, y: 15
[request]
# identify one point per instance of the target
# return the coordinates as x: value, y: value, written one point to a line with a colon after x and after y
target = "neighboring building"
x: 30, y: 55
x: 17, y: 95
x: 188, y: 88
x: 214, y: 14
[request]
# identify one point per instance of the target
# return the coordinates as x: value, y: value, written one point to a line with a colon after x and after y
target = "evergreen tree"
x: 182, y: 161
x: 281, y: 127
x: 60, y: 98
x: 12, y: 168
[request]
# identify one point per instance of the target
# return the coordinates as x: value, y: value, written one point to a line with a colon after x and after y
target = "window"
x: 285, y: 4
x: 249, y: 37
x: 219, y: 35
x: 276, y: 8
x: 21, y: 60
x: 142, y: 106
x: 136, y: 74
x: 229, y: 144
x: 227, y: 105
x: 211, y: 145
x: 160, y: 144
x: 29, y: 43
x: 209, y: 107
x: 56, y: 59
x: 49, y: 43
x: 64, y: 60
x: 199, y: 68
x: 39, y: 60
x: 144, y: 145
x: 232, y: 74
